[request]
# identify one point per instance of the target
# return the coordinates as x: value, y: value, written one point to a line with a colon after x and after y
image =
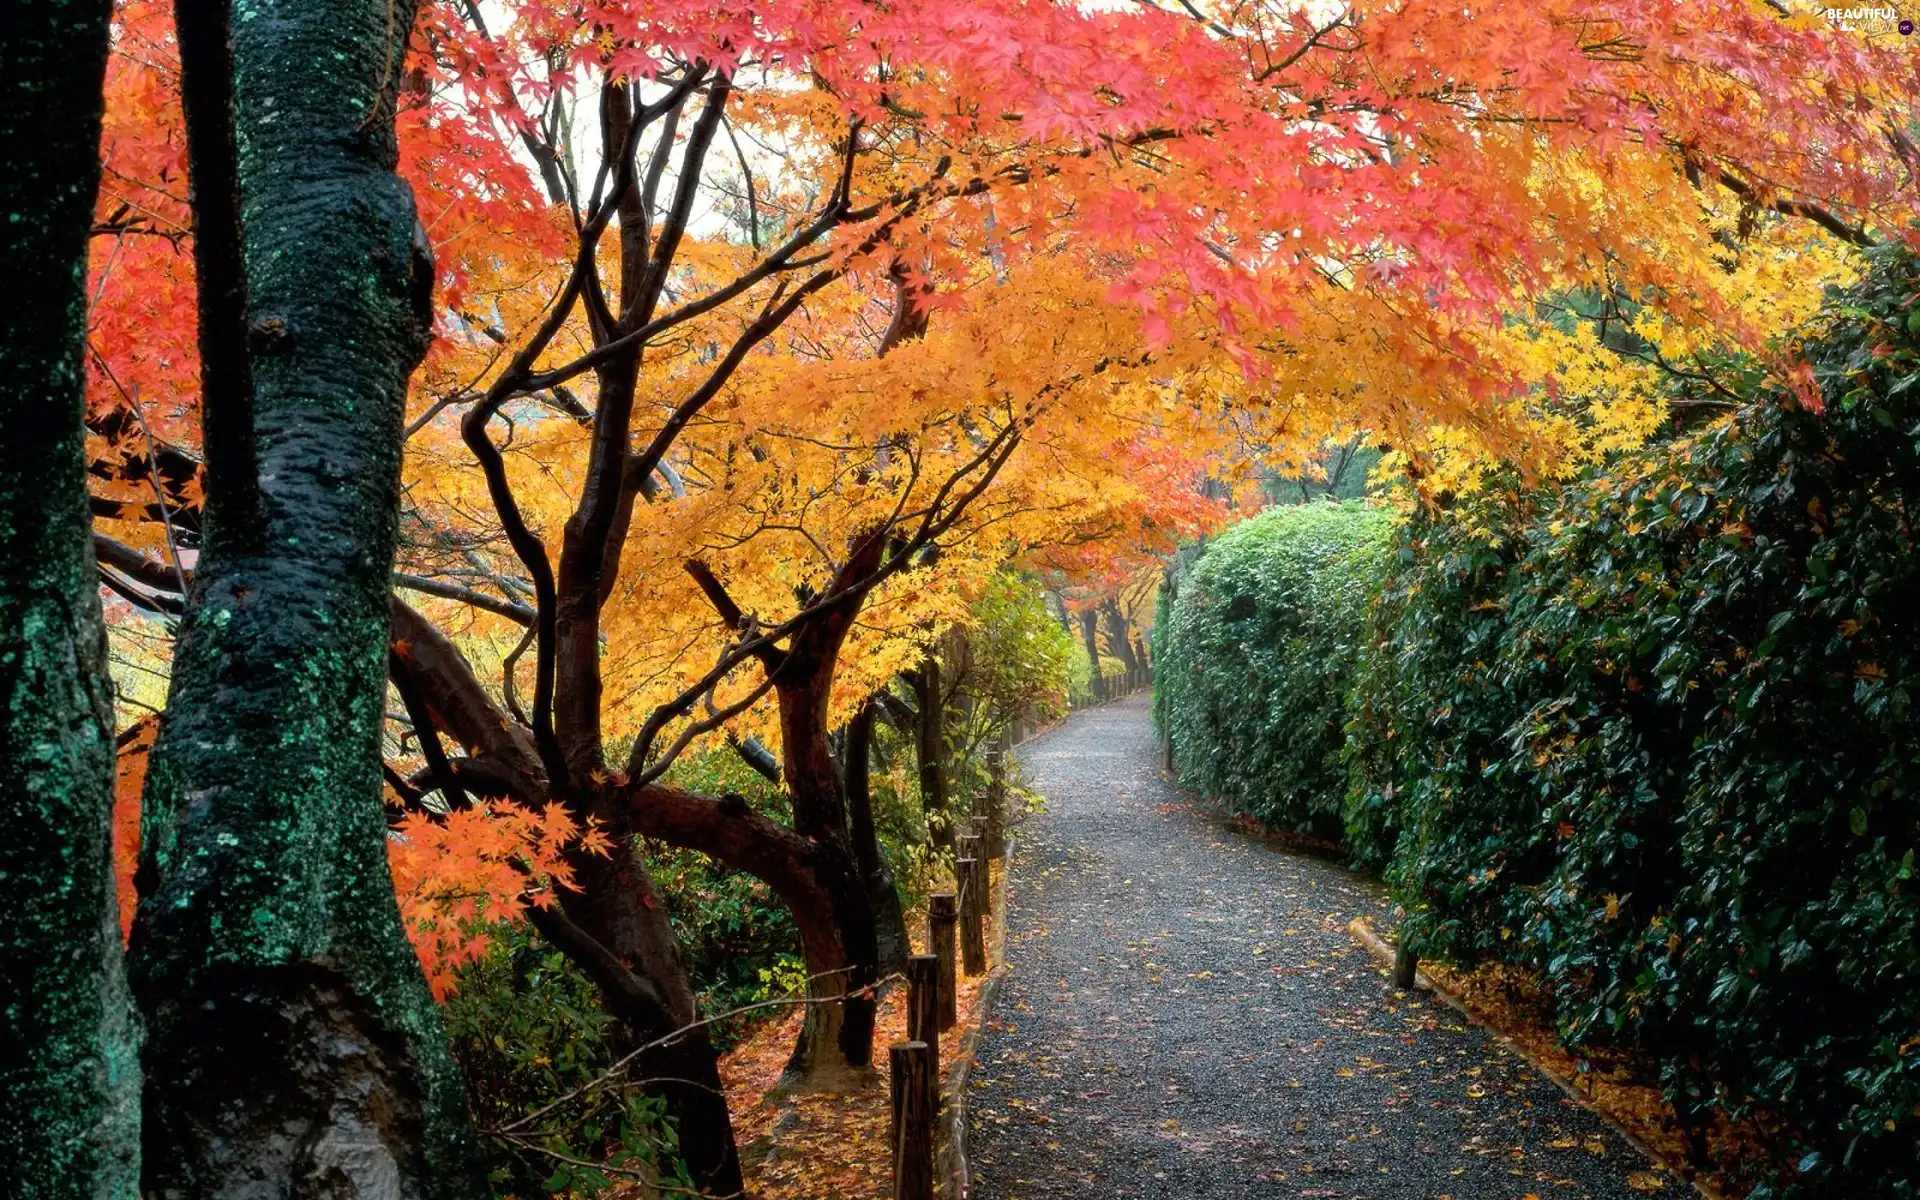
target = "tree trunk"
x: 804, y: 876
x: 812, y: 865
x: 68, y: 1041
x: 1121, y: 638
x: 1090, y: 634
x: 930, y: 747
x: 835, y: 1047
x: 615, y: 928
x: 618, y: 907
x: 883, y: 896
x: 292, y: 1045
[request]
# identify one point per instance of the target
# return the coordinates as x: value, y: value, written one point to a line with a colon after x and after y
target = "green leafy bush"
x: 1426, y: 720
x: 1657, y: 741
x: 1016, y: 659
x: 1256, y: 655
x: 527, y: 1028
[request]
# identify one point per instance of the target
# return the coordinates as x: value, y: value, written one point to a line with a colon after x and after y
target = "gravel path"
x: 1188, y: 1017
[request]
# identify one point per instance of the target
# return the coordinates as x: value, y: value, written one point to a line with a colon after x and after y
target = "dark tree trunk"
x: 809, y: 882
x: 883, y: 895
x: 292, y: 1046
x: 68, y: 1047
x: 615, y: 928
x: 835, y: 1048
x: 824, y: 886
x: 930, y: 748
x: 1059, y: 608
x: 1120, y: 637
x: 621, y: 932
x: 618, y: 907
x: 1090, y: 634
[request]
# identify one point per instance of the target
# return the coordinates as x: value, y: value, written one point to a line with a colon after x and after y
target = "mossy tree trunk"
x: 292, y: 1045
x: 69, y: 1079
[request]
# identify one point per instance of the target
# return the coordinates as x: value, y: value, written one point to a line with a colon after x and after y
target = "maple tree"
x: 848, y: 307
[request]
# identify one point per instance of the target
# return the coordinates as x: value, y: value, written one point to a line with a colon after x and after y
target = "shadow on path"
x: 1188, y: 1017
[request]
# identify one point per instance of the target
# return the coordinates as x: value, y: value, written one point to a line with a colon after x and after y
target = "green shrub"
x: 1256, y: 655
x: 1426, y: 723
x: 1657, y: 741
x: 527, y: 1027
x: 1017, y: 659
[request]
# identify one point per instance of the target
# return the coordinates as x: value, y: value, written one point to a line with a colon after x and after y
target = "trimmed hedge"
x: 1255, y: 655
x: 1657, y: 741
x: 1652, y: 735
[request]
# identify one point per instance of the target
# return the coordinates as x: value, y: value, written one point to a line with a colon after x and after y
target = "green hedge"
x: 1650, y: 734
x: 1656, y: 740
x: 1254, y: 659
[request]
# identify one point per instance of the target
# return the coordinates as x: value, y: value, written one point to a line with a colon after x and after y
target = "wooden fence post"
x: 973, y: 939
x: 971, y: 848
x: 911, y: 1066
x: 993, y: 832
x: 943, y: 915
x: 923, y: 1017
x: 1405, y: 963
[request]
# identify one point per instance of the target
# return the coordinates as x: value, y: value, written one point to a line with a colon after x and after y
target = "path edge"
x: 1383, y: 951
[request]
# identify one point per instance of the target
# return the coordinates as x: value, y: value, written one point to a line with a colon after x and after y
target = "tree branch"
x: 510, y: 609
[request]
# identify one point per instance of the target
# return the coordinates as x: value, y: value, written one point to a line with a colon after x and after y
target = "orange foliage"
x: 130, y: 775
x: 456, y: 876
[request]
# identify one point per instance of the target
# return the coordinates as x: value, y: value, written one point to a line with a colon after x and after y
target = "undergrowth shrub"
x: 1255, y: 658
x: 526, y: 1027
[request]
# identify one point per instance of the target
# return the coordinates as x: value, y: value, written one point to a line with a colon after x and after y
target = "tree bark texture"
x: 293, y: 1048
x: 883, y: 894
x: 69, y: 1071
x: 813, y: 862
x: 836, y: 1039
x: 1090, y: 635
x: 1120, y: 637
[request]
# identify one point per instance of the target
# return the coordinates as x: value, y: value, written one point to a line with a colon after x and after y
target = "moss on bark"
x: 68, y: 1068
x: 291, y: 1035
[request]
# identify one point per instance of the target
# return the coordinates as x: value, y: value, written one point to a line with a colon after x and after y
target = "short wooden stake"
x: 973, y: 940
x: 943, y: 918
x: 971, y: 848
x: 912, y: 1068
x: 994, y: 831
x: 1405, y: 964
x: 923, y: 1016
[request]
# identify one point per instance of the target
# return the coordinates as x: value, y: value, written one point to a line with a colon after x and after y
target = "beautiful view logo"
x: 1871, y: 18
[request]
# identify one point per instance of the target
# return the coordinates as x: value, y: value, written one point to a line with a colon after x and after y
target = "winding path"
x: 1188, y: 1017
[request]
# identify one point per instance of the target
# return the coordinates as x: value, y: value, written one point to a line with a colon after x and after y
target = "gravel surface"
x: 1187, y: 1016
